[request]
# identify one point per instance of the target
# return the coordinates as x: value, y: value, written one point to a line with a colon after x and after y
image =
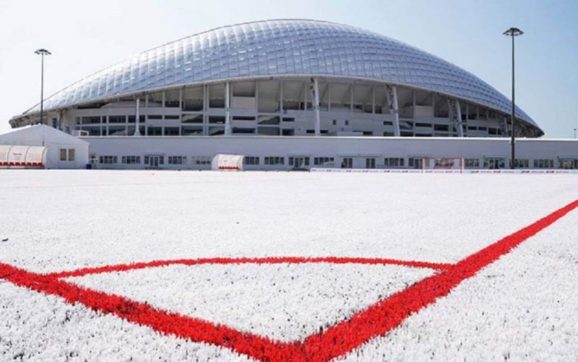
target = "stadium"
x: 408, y: 239
x: 290, y: 94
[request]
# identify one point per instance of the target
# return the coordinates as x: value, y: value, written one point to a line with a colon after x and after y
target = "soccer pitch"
x: 148, y: 265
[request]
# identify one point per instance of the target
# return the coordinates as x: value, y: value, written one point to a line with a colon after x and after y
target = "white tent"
x: 227, y: 162
x: 22, y: 156
x: 28, y: 146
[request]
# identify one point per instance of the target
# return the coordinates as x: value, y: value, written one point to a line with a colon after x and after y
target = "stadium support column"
x: 205, y: 109
x: 280, y: 99
x: 465, y: 125
x: 505, y: 127
x: 459, y: 119
x: 137, y: 118
x: 227, y: 109
x: 391, y: 94
x: 455, y: 113
x: 315, y: 98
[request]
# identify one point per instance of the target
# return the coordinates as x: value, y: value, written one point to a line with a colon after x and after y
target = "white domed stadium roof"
x: 281, y: 48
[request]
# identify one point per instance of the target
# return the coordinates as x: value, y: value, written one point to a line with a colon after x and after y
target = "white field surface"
x: 522, y: 307
x: 247, y: 297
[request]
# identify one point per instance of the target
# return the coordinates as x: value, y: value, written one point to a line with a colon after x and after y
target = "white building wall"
x: 337, y: 147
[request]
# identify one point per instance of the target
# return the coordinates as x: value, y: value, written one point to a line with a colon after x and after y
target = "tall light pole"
x: 513, y: 32
x: 42, y: 53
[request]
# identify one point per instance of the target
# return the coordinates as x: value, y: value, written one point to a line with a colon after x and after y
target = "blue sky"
x: 86, y: 36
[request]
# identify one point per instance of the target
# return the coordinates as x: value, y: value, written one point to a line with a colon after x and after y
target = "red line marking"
x: 337, y: 340
x: 264, y: 260
x: 391, y: 312
x: 140, y: 313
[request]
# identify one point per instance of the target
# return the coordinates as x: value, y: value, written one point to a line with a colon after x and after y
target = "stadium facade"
x: 292, y: 94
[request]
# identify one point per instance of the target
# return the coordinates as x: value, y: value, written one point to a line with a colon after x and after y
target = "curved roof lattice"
x: 281, y: 48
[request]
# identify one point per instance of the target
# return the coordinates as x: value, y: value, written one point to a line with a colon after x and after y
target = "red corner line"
x: 335, y: 341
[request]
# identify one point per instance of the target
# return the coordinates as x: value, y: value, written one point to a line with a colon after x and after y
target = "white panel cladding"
x: 336, y: 147
x: 281, y: 48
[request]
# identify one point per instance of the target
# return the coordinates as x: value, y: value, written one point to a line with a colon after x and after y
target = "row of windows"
x: 172, y: 160
x: 154, y: 160
x: 491, y: 163
x: 115, y: 125
x: 97, y: 120
x: 274, y: 160
x: 177, y: 160
x: 393, y: 162
x: 212, y: 119
x: 473, y: 163
x: 298, y: 161
x: 543, y: 163
x: 216, y: 131
x: 495, y: 163
x: 319, y: 161
x: 346, y: 162
x: 270, y: 102
x: 107, y: 159
x: 130, y: 160
x: 251, y: 160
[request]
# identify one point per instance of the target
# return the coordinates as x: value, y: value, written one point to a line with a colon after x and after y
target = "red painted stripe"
x: 264, y: 260
x: 143, y: 314
x: 391, y: 312
x: 337, y: 340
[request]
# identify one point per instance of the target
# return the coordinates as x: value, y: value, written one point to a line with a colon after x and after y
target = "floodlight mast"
x: 42, y: 53
x: 513, y: 32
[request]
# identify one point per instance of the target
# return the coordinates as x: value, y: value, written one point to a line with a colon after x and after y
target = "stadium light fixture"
x: 42, y: 53
x: 513, y: 32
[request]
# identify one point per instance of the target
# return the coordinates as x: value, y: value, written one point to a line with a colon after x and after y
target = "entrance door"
x: 370, y: 163
x: 347, y: 162
x: 153, y: 161
x: 299, y: 162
